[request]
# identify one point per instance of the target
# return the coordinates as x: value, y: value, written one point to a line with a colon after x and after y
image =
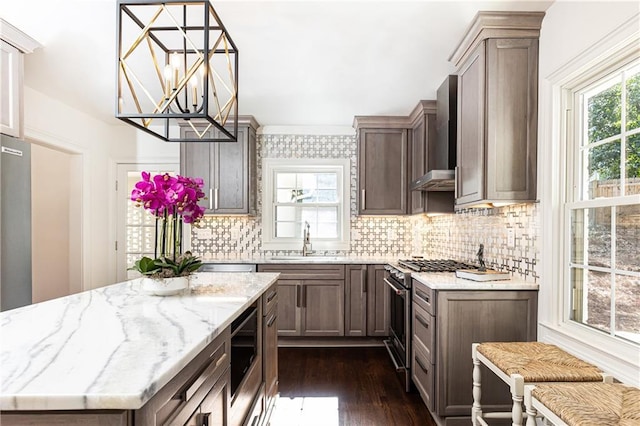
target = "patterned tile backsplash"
x: 455, y: 236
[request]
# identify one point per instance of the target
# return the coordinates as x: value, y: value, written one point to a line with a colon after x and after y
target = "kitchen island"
x: 114, y: 348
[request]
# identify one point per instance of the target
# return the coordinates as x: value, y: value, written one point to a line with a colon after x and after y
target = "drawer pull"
x: 271, y: 320
x: 271, y: 296
x: 422, y: 367
x: 423, y: 296
x: 422, y: 321
x: 203, y: 419
x: 206, y: 374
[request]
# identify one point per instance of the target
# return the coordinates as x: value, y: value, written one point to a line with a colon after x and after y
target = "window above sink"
x: 315, y: 191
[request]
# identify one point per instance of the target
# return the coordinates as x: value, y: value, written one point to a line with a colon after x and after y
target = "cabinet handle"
x: 298, y: 296
x: 422, y: 321
x: 304, y: 296
x: 364, y: 279
x: 455, y: 183
x: 271, y: 296
x: 271, y: 320
x: 215, y: 202
x: 422, y: 367
x: 423, y: 296
x: 364, y: 200
x: 210, y: 198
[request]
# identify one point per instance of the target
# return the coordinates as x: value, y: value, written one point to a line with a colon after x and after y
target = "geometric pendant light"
x: 177, y: 69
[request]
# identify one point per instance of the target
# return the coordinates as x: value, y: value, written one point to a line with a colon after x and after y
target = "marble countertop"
x: 449, y: 281
x: 336, y: 259
x: 114, y: 347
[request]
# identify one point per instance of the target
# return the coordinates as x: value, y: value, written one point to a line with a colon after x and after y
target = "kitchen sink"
x: 307, y: 258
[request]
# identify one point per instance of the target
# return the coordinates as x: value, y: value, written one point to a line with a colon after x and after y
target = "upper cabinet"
x: 497, y: 63
x: 382, y: 165
x: 228, y: 169
x: 13, y: 46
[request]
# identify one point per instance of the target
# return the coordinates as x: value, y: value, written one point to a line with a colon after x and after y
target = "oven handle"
x: 398, y: 291
x: 387, y: 344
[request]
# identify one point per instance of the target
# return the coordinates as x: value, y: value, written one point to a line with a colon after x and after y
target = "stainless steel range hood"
x: 442, y: 151
x: 435, y: 180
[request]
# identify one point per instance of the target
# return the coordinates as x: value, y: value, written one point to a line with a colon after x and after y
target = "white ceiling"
x: 301, y: 62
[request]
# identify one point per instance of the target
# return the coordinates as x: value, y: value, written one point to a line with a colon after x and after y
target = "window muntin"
x: 301, y: 191
x: 604, y: 217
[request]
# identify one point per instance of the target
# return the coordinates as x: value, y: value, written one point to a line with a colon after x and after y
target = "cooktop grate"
x: 435, y: 265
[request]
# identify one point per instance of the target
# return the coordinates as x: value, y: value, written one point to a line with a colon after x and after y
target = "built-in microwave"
x: 244, y: 345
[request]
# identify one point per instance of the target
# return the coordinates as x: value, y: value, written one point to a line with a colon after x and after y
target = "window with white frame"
x: 603, y: 203
x: 297, y: 192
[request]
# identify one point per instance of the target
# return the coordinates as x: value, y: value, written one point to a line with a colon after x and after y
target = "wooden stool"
x: 576, y: 404
x: 520, y: 363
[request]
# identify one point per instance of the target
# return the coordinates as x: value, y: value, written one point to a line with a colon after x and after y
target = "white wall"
x: 50, y: 225
x: 99, y: 146
x: 573, y: 34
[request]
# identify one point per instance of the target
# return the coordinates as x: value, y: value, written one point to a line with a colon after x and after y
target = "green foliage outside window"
x: 605, y: 120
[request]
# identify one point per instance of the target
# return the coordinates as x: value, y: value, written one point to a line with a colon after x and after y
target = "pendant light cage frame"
x: 177, y: 71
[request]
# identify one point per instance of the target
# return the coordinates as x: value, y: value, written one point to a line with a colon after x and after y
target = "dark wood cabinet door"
x: 378, y: 308
x: 196, y: 161
x: 466, y: 317
x: 418, y: 163
x: 323, y: 308
x: 270, y: 355
x: 471, y: 111
x: 511, y: 119
x: 231, y: 175
x: 383, y: 177
x: 215, y: 406
x: 355, y: 301
x: 289, y: 303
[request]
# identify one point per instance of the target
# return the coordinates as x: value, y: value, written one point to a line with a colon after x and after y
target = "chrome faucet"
x: 306, y: 243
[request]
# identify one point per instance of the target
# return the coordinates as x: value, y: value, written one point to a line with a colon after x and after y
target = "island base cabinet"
x: 67, y: 418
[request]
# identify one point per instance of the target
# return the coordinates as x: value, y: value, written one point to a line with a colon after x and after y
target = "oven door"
x: 398, y: 344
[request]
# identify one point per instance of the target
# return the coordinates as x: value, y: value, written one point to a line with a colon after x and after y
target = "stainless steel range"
x: 398, y: 280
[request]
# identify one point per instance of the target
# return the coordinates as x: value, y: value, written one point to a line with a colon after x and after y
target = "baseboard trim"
x: 328, y: 342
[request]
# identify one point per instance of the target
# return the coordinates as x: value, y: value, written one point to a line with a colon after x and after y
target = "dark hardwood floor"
x: 344, y: 386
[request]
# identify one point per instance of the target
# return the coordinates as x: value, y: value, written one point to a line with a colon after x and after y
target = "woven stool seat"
x: 591, y: 404
x: 539, y: 362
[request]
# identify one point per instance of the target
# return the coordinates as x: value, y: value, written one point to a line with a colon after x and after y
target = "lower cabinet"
x: 310, y: 299
x: 444, y: 325
x: 366, y: 301
x: 270, y: 351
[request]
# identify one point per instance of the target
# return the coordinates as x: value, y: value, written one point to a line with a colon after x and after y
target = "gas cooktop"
x: 434, y: 265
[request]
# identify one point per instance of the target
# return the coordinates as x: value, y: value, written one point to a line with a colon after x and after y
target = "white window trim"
x: 270, y: 166
x: 614, y: 355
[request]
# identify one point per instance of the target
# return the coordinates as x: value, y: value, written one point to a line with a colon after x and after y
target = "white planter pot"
x: 165, y: 286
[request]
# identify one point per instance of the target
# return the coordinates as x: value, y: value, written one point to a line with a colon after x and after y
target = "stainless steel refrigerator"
x: 15, y: 223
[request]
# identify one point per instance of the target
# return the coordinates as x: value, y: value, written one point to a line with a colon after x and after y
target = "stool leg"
x: 476, y: 408
x: 531, y: 412
x: 517, y: 394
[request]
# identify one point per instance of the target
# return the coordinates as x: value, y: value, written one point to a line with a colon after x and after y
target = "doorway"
x: 135, y: 227
x: 56, y: 222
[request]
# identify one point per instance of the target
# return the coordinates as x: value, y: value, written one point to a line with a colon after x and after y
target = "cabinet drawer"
x: 424, y: 297
x: 305, y: 271
x: 423, y: 377
x: 424, y: 332
x: 269, y: 299
x: 179, y: 399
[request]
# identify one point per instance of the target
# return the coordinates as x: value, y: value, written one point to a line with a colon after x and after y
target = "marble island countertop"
x: 449, y: 281
x: 114, y: 347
